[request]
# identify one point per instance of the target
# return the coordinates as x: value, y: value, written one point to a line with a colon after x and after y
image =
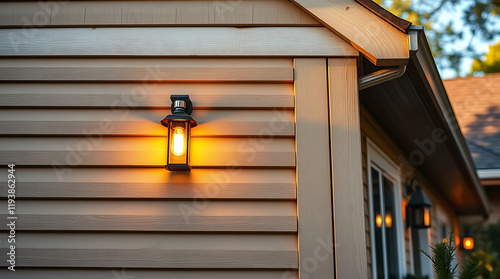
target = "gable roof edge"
x: 378, y: 39
x: 384, y: 14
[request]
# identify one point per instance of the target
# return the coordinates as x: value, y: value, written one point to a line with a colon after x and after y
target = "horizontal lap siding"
x: 154, y: 13
x: 92, y: 191
x: 123, y: 95
x: 119, y: 273
x: 142, y: 250
x: 195, y: 42
x: 144, y: 70
x: 142, y: 122
x: 94, y: 200
x: 152, y: 183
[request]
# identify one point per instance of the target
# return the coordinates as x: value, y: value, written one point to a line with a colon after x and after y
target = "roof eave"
x: 424, y: 59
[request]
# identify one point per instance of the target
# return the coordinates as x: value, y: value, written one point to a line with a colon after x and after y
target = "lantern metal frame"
x: 418, y: 201
x: 181, y: 109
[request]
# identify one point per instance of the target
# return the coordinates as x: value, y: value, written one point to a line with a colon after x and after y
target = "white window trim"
x: 377, y: 158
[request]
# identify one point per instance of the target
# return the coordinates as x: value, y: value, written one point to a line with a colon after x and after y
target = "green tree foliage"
x: 453, y: 27
x: 487, y: 252
x: 490, y: 63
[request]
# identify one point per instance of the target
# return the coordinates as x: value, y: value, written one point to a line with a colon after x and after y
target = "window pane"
x: 443, y: 232
x: 390, y: 228
x: 378, y: 221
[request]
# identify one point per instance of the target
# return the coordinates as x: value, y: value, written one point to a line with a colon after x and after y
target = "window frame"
x: 376, y: 158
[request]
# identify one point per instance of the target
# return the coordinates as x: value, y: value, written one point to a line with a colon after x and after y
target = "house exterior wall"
x: 93, y: 193
x: 89, y: 151
x: 83, y: 130
x: 372, y: 131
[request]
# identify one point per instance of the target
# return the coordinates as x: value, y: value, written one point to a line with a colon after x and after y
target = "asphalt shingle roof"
x: 476, y: 102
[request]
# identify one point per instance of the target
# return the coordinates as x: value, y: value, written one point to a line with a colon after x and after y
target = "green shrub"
x: 442, y: 261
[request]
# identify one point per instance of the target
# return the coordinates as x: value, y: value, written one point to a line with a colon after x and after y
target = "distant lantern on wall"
x: 179, y: 125
x: 419, y: 206
x: 468, y: 241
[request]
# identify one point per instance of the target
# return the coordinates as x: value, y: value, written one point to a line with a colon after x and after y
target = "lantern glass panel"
x: 418, y: 217
x: 427, y: 217
x: 178, y: 143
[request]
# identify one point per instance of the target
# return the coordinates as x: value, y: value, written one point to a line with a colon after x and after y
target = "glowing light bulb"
x: 388, y: 220
x: 178, y: 146
x: 378, y: 220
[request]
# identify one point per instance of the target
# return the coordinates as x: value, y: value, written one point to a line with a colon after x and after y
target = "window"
x: 386, y: 220
x: 444, y: 225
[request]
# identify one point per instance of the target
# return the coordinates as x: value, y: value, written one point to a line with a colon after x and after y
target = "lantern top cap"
x: 181, y: 109
x: 419, y: 198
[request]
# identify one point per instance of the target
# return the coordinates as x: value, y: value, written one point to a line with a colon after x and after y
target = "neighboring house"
x: 312, y: 116
x: 476, y: 102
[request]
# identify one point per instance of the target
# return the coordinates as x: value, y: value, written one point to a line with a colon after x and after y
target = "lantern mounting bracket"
x: 410, y: 189
x: 185, y: 98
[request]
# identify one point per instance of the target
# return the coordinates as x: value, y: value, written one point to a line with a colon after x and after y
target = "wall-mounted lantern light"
x: 179, y: 125
x: 419, y: 206
x: 468, y: 240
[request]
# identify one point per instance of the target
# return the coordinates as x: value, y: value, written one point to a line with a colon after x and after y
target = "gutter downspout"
x: 388, y: 74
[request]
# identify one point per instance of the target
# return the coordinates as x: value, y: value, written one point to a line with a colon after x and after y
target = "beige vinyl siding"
x: 141, y: 122
x: 82, y: 125
x: 175, y: 41
x: 105, y: 95
x: 146, y: 70
x: 154, y: 183
x: 366, y: 201
x: 154, y: 13
x: 370, y: 129
x: 129, y: 273
x: 139, y: 250
x: 92, y: 189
